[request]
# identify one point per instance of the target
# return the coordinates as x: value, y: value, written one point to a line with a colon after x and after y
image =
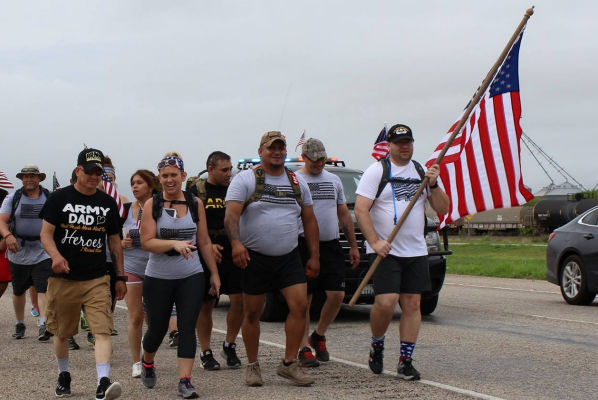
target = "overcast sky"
x: 140, y: 78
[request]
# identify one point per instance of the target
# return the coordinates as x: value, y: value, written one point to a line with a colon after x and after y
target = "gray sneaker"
x: 148, y: 376
x: 187, y: 390
x: 294, y: 373
x: 19, y: 331
x: 253, y: 375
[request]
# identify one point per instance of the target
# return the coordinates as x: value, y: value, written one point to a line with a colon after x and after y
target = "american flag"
x: 482, y: 168
x: 55, y: 184
x: 110, y: 190
x: 4, y: 182
x: 380, y: 149
x: 301, y: 141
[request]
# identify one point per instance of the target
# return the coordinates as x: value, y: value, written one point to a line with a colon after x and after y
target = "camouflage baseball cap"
x: 270, y: 137
x: 314, y: 149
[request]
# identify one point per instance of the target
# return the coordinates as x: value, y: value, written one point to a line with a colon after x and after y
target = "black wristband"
x: 434, y: 186
x: 122, y: 278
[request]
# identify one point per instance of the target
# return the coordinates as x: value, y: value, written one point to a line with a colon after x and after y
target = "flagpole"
x: 481, y: 90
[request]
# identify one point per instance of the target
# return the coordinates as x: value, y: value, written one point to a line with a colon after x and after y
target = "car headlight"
x: 433, y: 241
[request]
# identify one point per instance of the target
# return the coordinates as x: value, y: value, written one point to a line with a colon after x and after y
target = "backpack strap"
x: 260, y: 184
x: 158, y: 205
x: 200, y: 187
x: 16, y: 199
x: 192, y: 205
x: 420, y: 170
x: 385, y: 175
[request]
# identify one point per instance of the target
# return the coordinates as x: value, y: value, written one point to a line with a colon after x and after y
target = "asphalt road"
x: 489, y: 338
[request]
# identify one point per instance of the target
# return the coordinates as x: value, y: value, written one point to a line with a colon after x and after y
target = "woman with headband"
x: 173, y: 228
x: 143, y: 184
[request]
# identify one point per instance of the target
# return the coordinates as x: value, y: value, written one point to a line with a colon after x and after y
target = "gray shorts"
x: 410, y: 275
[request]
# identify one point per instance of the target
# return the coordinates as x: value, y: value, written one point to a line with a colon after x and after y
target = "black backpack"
x: 190, y: 201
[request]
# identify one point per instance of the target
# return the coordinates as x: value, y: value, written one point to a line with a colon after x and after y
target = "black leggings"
x: 158, y: 297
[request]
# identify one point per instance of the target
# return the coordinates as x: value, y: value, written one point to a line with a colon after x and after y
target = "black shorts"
x: 231, y: 276
x: 332, y: 266
x: 24, y: 276
x: 266, y: 274
x: 410, y: 275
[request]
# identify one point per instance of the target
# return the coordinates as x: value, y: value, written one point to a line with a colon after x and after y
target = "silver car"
x: 572, y: 258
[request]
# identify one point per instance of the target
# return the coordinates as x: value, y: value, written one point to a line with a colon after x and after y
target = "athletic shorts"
x: 65, y: 299
x: 133, y: 278
x: 24, y: 276
x: 266, y: 274
x: 4, y: 269
x: 231, y: 276
x: 409, y: 275
x: 332, y: 266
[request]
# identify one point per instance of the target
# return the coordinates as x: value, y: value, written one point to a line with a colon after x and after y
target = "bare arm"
x: 12, y: 244
x: 439, y: 201
x: 231, y: 224
x: 150, y: 242
x: 362, y: 213
x: 312, y: 237
x: 116, y: 252
x: 59, y: 264
x: 346, y: 222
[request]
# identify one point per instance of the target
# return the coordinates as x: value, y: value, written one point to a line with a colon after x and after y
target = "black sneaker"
x: 63, y: 387
x: 72, y: 344
x: 148, y: 375
x: 319, y: 344
x: 406, y: 370
x: 19, y: 331
x: 208, y: 362
x: 108, y: 390
x: 91, y: 341
x: 306, y: 358
x: 173, y: 338
x: 44, y: 335
x: 376, y: 360
x: 230, y: 354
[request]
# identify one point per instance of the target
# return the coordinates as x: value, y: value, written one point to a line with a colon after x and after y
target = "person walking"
x: 30, y: 265
x: 263, y: 207
x: 76, y: 222
x: 143, y: 184
x: 403, y: 272
x: 172, y: 232
x: 212, y: 192
x: 330, y: 208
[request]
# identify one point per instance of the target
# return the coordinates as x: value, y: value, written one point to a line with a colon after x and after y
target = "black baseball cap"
x: 398, y: 132
x: 91, y: 159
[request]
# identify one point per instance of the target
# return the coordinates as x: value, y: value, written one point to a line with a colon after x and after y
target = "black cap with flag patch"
x: 91, y: 159
x: 398, y: 132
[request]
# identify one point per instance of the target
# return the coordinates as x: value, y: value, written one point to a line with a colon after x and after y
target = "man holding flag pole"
x: 482, y: 171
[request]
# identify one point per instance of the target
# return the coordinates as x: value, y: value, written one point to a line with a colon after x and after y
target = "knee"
x: 136, y: 320
x: 385, y: 304
x: 253, y: 316
x: 298, y: 306
x: 335, y: 297
x: 410, y: 305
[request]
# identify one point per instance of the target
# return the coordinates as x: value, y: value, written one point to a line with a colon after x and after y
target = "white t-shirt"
x: 327, y: 193
x: 410, y: 240
x: 269, y: 226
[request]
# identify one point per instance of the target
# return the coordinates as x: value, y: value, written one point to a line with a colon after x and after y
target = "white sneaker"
x: 136, y: 370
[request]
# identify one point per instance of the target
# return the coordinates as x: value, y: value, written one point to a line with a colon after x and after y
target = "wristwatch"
x: 122, y: 278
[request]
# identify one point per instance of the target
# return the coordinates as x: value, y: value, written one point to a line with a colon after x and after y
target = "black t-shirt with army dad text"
x: 81, y: 225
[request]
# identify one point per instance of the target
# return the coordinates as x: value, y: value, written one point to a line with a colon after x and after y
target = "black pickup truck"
x: 275, y: 308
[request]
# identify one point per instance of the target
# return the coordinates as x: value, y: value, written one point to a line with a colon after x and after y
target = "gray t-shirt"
x: 135, y: 257
x: 27, y: 223
x: 269, y: 226
x: 164, y: 266
x: 327, y: 193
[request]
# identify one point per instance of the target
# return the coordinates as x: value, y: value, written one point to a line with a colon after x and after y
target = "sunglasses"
x: 171, y: 162
x: 30, y: 171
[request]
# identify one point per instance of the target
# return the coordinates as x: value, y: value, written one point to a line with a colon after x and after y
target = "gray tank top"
x: 164, y: 266
x: 135, y: 257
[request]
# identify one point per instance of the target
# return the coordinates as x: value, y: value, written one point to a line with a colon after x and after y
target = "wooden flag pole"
x: 481, y: 90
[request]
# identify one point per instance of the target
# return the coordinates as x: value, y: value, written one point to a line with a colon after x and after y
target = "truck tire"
x: 275, y: 308
x: 428, y: 305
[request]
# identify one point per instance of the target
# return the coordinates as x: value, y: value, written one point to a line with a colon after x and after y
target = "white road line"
x: 564, y: 319
x: 386, y: 372
x: 502, y: 288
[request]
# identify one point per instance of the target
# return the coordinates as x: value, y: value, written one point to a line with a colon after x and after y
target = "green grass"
x: 499, y: 257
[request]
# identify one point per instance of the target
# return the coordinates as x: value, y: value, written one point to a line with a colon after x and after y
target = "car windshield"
x: 350, y: 180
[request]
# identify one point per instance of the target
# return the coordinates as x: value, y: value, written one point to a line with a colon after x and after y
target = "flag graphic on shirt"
x: 5, y: 183
x: 380, y: 149
x: 301, y: 141
x: 110, y: 190
x: 482, y: 168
